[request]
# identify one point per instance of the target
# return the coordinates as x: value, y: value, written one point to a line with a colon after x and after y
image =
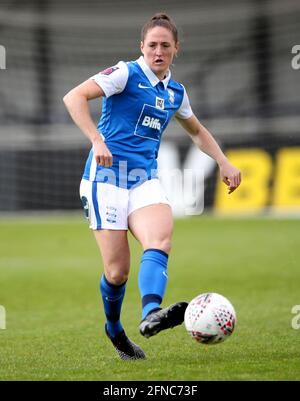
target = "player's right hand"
x: 102, y: 154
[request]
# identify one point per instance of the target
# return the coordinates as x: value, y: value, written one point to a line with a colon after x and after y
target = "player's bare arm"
x: 230, y: 175
x: 76, y: 101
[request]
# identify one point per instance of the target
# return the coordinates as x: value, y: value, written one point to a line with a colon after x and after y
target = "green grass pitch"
x: 49, y: 275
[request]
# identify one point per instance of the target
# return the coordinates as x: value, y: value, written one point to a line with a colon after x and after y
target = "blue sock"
x: 152, y: 279
x: 112, y: 296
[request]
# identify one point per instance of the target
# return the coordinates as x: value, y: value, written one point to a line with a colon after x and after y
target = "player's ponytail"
x: 163, y: 20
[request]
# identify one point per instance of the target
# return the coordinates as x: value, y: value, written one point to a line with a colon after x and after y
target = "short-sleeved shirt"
x: 136, y: 110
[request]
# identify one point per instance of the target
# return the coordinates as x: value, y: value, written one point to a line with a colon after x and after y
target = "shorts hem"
x: 149, y: 204
x: 109, y: 228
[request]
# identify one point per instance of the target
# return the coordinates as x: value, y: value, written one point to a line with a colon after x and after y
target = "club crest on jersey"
x: 109, y: 70
x: 171, y: 96
x: 160, y: 103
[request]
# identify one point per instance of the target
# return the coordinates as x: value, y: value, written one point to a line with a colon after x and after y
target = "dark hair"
x: 163, y: 20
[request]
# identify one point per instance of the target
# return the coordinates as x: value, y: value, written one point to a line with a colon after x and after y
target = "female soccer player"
x: 120, y: 189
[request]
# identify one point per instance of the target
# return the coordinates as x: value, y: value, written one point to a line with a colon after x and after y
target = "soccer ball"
x: 210, y: 318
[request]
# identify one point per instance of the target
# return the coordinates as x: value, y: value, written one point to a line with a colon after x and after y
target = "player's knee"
x: 161, y: 244
x: 117, y: 276
x: 166, y: 246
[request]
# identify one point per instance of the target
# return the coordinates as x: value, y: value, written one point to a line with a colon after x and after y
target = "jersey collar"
x: 154, y: 80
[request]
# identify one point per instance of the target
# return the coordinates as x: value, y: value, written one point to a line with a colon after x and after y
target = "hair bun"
x: 160, y: 16
x: 160, y: 20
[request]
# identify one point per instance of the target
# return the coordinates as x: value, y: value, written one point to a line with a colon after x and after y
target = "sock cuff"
x: 151, y: 298
x: 157, y: 251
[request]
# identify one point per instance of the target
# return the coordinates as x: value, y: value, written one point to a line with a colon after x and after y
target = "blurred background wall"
x: 238, y: 61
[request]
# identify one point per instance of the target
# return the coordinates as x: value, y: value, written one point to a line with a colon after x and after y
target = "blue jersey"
x: 135, y: 112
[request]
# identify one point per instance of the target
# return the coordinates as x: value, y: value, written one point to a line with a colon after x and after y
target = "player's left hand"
x: 230, y: 175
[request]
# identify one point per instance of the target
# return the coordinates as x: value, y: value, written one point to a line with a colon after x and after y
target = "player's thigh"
x: 152, y: 226
x: 114, y: 248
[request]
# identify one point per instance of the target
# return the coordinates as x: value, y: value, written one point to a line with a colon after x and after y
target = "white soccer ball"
x: 210, y: 318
